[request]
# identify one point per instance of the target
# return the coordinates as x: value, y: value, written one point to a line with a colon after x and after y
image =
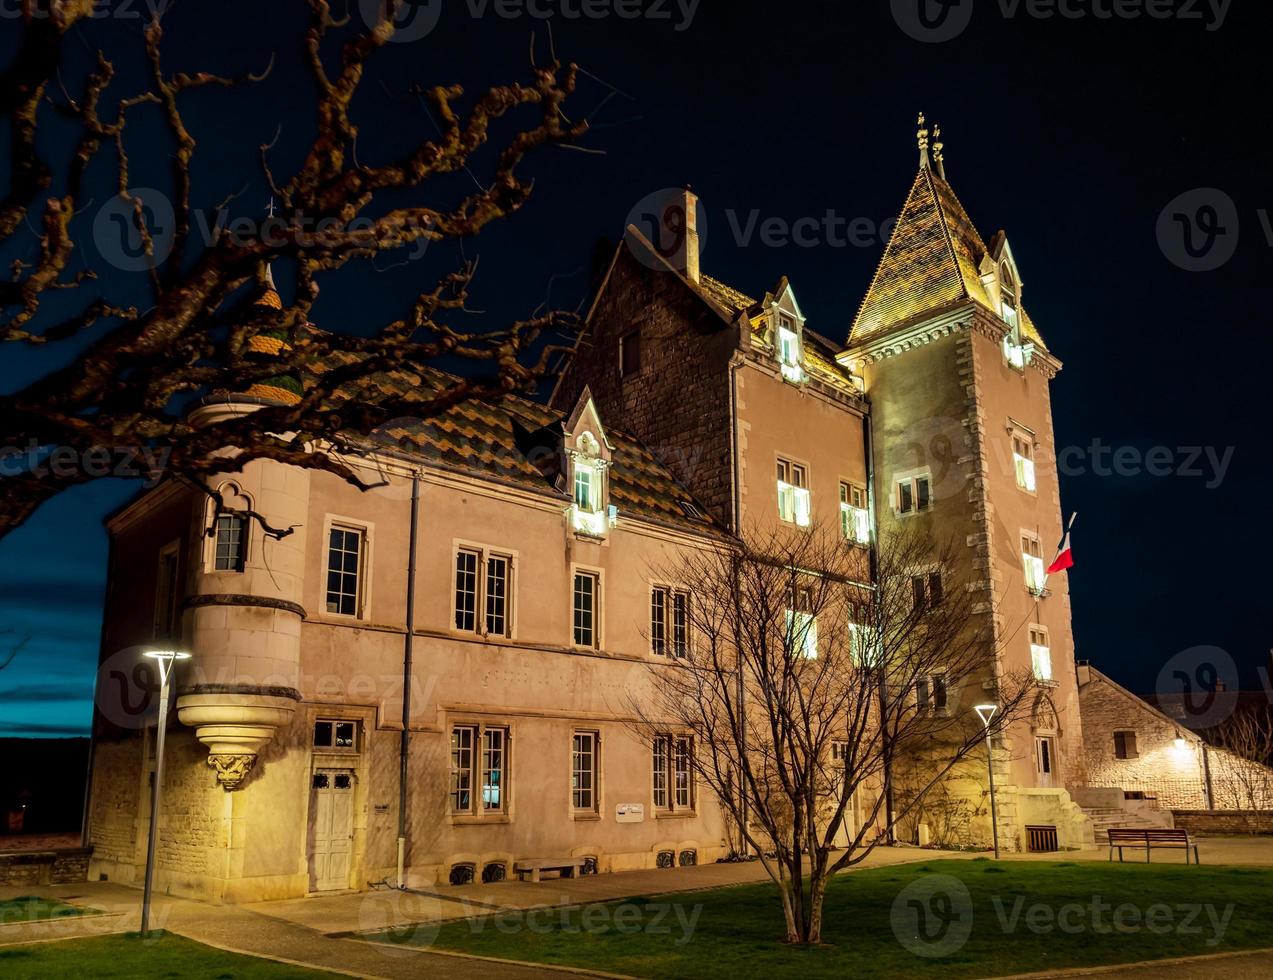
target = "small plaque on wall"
x: 629, y: 813
x: 382, y: 808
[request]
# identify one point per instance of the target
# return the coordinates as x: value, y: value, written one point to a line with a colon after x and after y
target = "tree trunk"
x: 817, y: 894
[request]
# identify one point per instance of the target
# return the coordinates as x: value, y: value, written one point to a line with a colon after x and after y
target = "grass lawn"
x: 31, y: 908
x: 943, y: 918
x: 130, y: 956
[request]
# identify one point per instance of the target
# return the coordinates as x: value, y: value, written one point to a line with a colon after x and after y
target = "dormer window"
x: 1015, y: 350
x: 589, y: 512
x: 787, y: 344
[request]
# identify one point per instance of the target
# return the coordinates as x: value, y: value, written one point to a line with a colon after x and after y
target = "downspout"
x: 405, y: 742
x: 1206, y: 775
x: 735, y: 522
x: 868, y: 442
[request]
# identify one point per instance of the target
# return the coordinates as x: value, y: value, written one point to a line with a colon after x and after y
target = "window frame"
x: 166, y: 617
x: 1037, y: 630
x: 1031, y: 561
x: 478, y: 769
x: 854, y: 517
x: 598, y: 576
x: 674, y: 647
x: 593, y: 737
x: 672, y: 748
x: 788, y: 334
x: 906, y: 492
x: 365, y: 529
x: 932, y: 695
x: 1121, y: 743
x: 484, y: 556
x: 331, y: 748
x: 1024, y: 468
x: 792, y: 482
x: 625, y: 347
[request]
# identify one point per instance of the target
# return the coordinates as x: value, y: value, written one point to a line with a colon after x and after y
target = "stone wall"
x: 1203, y: 822
x: 113, y: 824
x: 44, y: 867
x: 1168, y: 762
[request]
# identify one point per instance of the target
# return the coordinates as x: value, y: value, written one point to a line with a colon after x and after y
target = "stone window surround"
x: 598, y: 607
x: 477, y: 815
x: 484, y: 551
x: 229, y: 489
x: 365, y: 565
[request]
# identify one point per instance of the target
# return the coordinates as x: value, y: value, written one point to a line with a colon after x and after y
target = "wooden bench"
x: 567, y: 867
x: 1149, y: 838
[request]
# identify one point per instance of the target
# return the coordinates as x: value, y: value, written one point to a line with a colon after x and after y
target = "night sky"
x: 1073, y: 134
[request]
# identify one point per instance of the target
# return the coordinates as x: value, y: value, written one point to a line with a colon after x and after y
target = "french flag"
x: 1064, y: 553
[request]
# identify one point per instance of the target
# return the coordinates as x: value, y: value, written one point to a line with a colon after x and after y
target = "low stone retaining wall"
x: 1204, y: 822
x: 44, y: 867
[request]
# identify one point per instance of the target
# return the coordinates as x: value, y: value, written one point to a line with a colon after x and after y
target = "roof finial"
x: 939, y: 157
x: 922, y: 136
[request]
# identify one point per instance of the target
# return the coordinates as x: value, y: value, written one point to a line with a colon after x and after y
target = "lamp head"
x: 986, y: 712
x: 167, y: 654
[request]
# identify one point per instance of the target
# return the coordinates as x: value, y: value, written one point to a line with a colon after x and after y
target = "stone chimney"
x: 679, y: 233
x: 1083, y: 672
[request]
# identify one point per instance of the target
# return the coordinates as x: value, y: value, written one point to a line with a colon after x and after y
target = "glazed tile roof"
x: 726, y: 296
x: 932, y: 260
x: 505, y: 440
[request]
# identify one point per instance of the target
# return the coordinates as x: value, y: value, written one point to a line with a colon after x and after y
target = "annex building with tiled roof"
x: 432, y: 681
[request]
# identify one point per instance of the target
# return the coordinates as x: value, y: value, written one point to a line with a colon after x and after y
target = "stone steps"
x: 1104, y: 817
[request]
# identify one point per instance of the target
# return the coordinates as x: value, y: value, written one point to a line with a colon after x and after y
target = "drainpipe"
x: 736, y: 515
x: 868, y: 442
x: 405, y: 743
x: 1206, y: 775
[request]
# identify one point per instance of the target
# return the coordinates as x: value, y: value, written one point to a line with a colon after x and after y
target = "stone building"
x: 690, y: 411
x: 1134, y: 746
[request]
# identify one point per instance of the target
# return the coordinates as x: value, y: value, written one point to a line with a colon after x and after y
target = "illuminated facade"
x: 689, y: 411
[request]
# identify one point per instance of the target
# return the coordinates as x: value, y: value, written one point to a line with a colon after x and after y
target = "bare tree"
x: 806, y: 686
x: 1240, y: 770
x: 121, y: 390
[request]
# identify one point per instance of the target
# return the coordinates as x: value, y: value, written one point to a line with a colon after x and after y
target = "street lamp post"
x: 166, y: 659
x: 986, y: 712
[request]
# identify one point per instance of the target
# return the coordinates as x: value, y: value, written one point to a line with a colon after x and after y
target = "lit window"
x: 583, y: 771
x: 585, y: 609
x: 1009, y: 297
x: 1125, y: 745
x: 1040, y: 653
x: 669, y: 621
x: 1032, y: 559
x: 864, y: 645
x: 1023, y: 460
x: 914, y: 494
x: 589, y: 508
x: 469, y: 765
x: 333, y: 734
x: 802, y: 627
x: 344, y: 570
x: 793, y: 493
x: 789, y: 350
x: 855, y: 521
x: 229, y: 544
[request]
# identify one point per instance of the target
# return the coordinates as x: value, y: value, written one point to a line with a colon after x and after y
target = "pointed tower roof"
x: 933, y: 260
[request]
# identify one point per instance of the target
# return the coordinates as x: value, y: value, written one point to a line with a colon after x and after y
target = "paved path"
x: 1255, y: 965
